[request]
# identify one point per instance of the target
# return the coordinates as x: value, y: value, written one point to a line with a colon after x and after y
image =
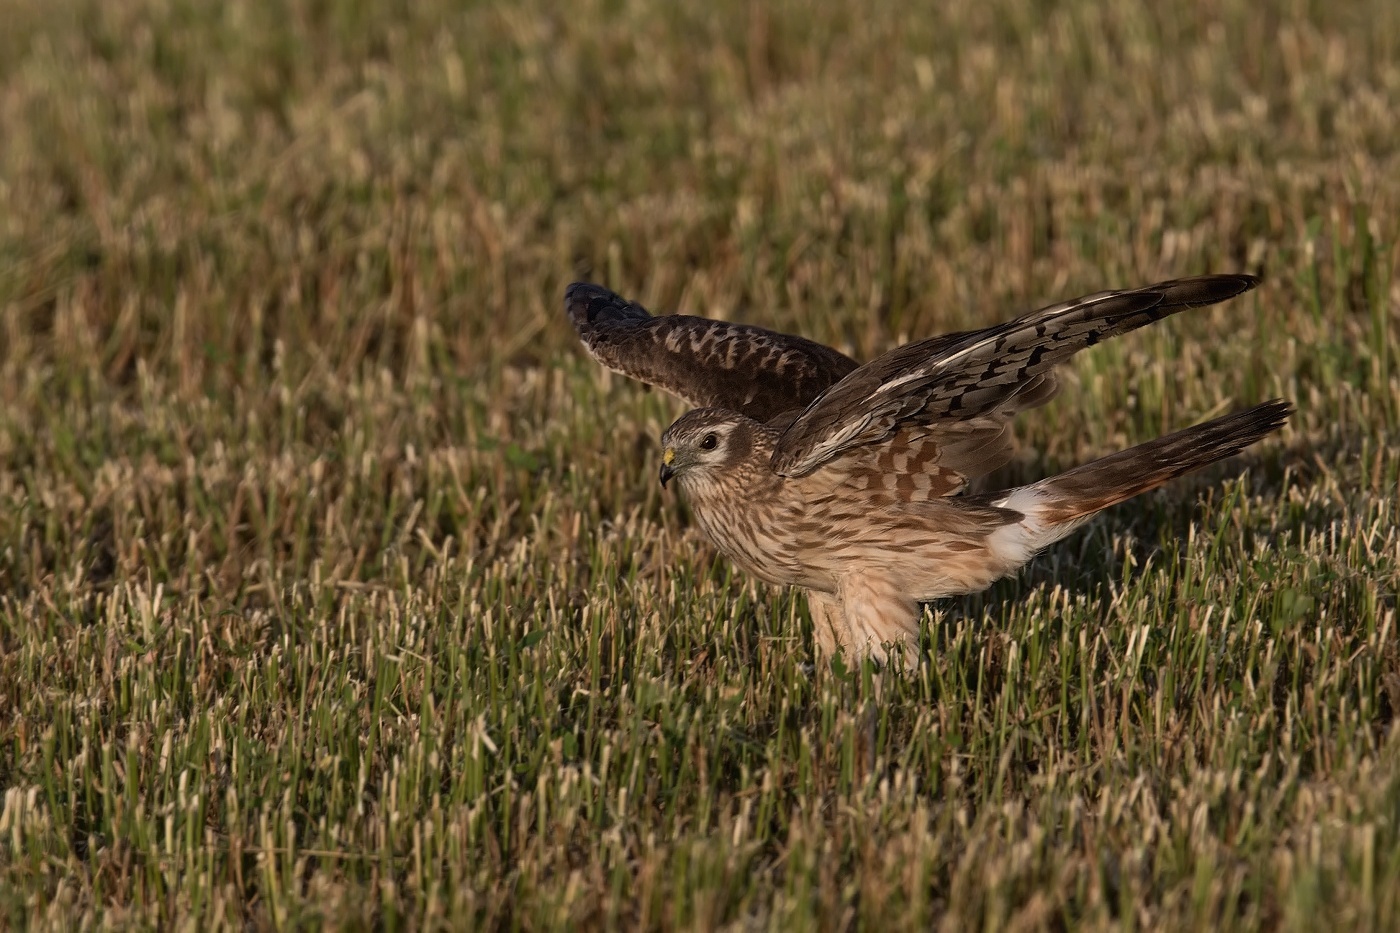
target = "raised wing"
x: 986, y: 374
x: 711, y: 364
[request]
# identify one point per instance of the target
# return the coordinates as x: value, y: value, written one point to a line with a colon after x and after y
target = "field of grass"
x: 336, y: 586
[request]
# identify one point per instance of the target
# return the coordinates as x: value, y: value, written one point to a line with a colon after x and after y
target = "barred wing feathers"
x: 710, y: 364
x: 982, y: 376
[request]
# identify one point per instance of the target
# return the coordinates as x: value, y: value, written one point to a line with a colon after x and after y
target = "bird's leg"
x: 829, y: 627
x: 876, y: 613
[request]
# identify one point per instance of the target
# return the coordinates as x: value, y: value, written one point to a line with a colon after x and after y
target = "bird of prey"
x: 852, y: 482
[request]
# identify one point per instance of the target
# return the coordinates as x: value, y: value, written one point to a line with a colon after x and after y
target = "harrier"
x: 852, y: 482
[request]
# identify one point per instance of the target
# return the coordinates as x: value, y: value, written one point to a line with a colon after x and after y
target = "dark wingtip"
x: 1243, y: 282
x: 1275, y: 413
x: 587, y: 303
x: 1206, y: 289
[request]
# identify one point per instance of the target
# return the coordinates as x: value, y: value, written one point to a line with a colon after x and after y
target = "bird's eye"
x: 708, y: 442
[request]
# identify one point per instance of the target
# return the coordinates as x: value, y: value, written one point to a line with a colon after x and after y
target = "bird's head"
x: 703, y: 445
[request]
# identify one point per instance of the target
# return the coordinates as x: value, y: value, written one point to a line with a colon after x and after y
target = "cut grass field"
x: 336, y: 586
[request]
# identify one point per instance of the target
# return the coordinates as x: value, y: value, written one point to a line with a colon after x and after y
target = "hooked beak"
x: 667, y: 471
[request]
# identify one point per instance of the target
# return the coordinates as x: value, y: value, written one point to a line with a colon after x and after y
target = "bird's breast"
x: 756, y: 525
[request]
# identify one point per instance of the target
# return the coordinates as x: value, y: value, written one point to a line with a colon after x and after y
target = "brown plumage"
x: 856, y: 497
x: 710, y: 364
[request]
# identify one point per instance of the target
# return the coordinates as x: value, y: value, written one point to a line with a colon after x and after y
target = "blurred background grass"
x: 336, y: 582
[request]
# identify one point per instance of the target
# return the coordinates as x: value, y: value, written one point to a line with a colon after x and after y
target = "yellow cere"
x: 669, y: 456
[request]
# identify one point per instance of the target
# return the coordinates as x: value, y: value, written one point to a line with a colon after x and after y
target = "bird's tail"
x: 1057, y: 505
